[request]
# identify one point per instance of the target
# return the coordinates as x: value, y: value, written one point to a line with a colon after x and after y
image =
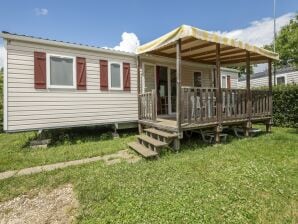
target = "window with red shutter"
x: 40, y: 70
x: 126, y: 76
x: 103, y: 74
x: 81, y: 73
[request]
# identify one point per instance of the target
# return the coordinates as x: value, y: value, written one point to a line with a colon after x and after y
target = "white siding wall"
x: 148, y: 76
x: 291, y: 77
x: 29, y: 108
x: 233, y: 75
x: 186, y: 77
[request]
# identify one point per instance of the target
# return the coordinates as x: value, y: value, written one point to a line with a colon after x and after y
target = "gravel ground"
x: 57, y: 206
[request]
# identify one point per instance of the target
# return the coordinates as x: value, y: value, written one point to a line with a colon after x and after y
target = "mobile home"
x: 173, y: 84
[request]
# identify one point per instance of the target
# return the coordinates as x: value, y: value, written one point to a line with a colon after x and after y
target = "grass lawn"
x: 67, y: 145
x: 245, y: 181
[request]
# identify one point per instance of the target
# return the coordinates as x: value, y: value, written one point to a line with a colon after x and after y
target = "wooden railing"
x: 234, y: 104
x: 198, y: 105
x: 148, y: 106
x: 261, y: 103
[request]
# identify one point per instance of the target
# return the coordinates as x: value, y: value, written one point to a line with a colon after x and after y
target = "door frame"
x: 170, y: 109
x: 169, y: 68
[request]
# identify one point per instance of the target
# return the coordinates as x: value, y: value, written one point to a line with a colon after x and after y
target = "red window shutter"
x: 40, y: 80
x: 126, y: 76
x: 229, y: 81
x: 104, y: 75
x: 81, y: 73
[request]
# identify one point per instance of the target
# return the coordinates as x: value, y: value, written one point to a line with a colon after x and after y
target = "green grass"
x: 244, y: 181
x: 72, y: 144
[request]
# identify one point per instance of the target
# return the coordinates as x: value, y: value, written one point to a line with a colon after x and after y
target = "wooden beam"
x: 195, y: 56
x: 173, y: 45
x: 270, y: 83
x: 197, y: 47
x: 252, y: 59
x: 178, y: 91
x: 235, y: 57
x: 213, y: 56
x: 139, y: 91
x: 248, y: 92
x: 218, y: 93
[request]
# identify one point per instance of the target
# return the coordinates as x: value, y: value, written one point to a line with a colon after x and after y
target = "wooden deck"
x: 170, y: 124
x: 201, y: 108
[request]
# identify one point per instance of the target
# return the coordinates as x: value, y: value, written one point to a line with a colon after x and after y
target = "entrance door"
x: 162, y: 90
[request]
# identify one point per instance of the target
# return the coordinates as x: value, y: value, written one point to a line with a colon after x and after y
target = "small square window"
x: 115, y: 75
x: 61, y: 72
x: 197, y: 76
x: 281, y: 80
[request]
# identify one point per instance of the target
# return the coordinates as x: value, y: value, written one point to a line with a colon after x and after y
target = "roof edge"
x: 13, y: 36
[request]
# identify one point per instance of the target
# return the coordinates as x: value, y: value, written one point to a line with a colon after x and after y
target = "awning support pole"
x: 248, y: 95
x: 139, y: 91
x: 218, y: 95
x: 178, y: 96
x: 269, y: 124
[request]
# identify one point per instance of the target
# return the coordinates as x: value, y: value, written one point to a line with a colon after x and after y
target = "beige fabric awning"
x: 199, y: 46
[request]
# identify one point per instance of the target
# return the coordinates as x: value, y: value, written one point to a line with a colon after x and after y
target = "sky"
x: 124, y: 25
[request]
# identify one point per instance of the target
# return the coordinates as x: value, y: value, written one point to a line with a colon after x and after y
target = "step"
x: 141, y: 149
x: 161, y: 133
x: 151, y: 141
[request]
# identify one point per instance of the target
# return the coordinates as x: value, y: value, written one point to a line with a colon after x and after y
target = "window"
x: 61, y: 71
x: 281, y: 80
x: 115, y: 76
x: 197, y: 77
x: 223, y: 81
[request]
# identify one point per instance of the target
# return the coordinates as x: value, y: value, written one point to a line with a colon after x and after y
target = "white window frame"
x: 225, y: 79
x: 193, y: 78
x: 121, y: 75
x: 74, y: 73
x: 280, y: 76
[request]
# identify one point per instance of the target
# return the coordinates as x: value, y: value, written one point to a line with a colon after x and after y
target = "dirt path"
x: 57, y: 206
x: 110, y: 159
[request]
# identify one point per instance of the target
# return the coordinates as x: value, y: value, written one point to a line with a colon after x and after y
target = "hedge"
x: 285, y: 105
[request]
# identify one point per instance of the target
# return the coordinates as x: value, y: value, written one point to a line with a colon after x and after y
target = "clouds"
x: 129, y: 43
x: 259, y: 32
x: 41, y: 11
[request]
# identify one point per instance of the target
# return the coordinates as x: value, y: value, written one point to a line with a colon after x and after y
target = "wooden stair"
x: 151, y: 141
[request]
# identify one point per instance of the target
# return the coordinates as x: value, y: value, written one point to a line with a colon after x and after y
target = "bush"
x: 285, y: 105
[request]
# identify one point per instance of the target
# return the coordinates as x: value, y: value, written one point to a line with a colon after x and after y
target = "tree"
x: 287, y: 44
x: 242, y: 69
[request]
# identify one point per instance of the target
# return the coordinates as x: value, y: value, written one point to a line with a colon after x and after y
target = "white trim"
x: 121, y: 75
x: 5, y: 89
x: 282, y: 75
x: 48, y: 72
x: 144, y: 78
x: 63, y: 44
x: 226, y: 81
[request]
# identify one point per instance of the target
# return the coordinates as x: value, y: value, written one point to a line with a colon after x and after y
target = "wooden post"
x: 139, y: 91
x: 178, y: 96
x: 269, y: 123
x: 248, y: 95
x: 218, y: 95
